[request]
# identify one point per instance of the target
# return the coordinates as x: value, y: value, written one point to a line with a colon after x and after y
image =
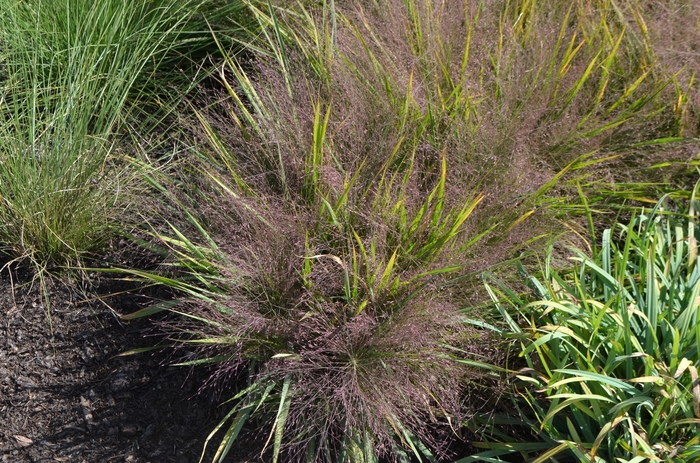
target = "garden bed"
x: 74, y: 399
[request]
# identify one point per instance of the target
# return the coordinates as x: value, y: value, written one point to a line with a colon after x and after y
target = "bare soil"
x: 71, y: 397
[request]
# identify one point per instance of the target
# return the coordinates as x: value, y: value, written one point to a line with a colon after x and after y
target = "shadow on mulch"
x: 74, y: 399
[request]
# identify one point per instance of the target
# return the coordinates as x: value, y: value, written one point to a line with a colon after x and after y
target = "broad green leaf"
x: 577, y: 375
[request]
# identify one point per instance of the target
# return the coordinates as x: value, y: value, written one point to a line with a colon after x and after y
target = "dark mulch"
x: 71, y: 398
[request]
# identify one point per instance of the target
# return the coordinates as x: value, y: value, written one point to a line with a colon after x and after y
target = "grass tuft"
x: 74, y: 78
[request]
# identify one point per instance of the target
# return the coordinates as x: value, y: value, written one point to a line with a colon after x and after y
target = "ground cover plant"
x: 611, y: 345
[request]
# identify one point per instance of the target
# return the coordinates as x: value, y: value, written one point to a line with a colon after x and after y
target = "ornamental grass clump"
x: 323, y: 322
x: 76, y: 79
x: 611, y: 346
x: 313, y: 287
x: 341, y: 347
